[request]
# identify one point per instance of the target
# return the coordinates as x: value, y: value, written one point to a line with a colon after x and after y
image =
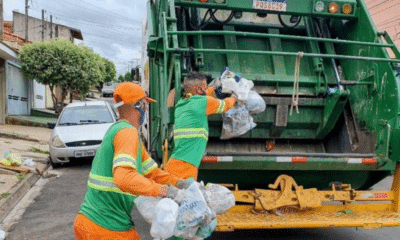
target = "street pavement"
x: 51, y: 216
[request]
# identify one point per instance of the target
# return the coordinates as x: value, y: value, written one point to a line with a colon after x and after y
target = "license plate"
x: 87, y: 153
x: 272, y: 5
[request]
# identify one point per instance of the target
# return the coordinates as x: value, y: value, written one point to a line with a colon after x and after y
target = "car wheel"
x: 54, y: 165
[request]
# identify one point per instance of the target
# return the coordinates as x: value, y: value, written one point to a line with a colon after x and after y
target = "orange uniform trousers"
x: 85, y: 229
x: 181, y: 169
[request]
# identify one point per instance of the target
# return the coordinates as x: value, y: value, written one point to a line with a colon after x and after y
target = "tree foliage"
x: 109, y: 70
x: 127, y: 77
x: 120, y: 79
x: 63, y: 64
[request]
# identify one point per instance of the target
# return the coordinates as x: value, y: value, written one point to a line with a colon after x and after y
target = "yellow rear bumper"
x: 329, y: 216
x: 309, y: 208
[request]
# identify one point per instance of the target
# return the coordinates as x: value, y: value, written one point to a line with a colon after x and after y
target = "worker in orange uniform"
x: 122, y: 169
x: 191, y: 124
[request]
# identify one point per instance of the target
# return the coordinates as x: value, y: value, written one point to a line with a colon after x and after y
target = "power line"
x: 385, y: 9
x: 92, y: 23
x: 386, y: 22
x: 104, y: 11
x: 379, y: 4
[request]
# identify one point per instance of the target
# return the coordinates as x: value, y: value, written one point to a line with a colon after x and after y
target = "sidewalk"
x: 28, y: 143
x: 40, y: 134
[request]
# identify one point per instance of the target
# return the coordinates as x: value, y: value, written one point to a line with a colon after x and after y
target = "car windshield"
x: 85, y: 115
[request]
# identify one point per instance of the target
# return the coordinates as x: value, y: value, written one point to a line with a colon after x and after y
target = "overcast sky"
x: 111, y: 27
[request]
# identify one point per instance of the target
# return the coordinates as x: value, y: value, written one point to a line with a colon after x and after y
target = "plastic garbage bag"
x: 146, y: 206
x: 237, y: 121
x: 219, y: 198
x: 164, y: 219
x: 206, y: 230
x: 192, y: 212
x: 232, y: 82
x: 254, y: 103
x: 11, y: 159
x: 29, y: 163
x: 2, y: 235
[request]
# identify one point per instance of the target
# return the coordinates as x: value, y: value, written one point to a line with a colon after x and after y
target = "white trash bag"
x: 164, y: 219
x: 254, y: 103
x: 219, y: 198
x: 232, y: 82
x: 237, y: 121
x: 146, y: 206
x: 205, y: 231
x: 192, y: 212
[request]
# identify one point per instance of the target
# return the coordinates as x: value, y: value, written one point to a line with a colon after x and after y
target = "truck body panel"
x: 346, y: 129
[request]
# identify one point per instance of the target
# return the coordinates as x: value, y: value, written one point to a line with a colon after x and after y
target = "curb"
x: 17, y: 192
x: 17, y: 136
x: 24, y: 122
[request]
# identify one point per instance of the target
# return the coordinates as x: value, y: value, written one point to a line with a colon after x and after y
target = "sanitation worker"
x: 122, y: 169
x: 191, y: 124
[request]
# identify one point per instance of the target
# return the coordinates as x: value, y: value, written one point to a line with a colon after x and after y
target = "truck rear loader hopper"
x: 331, y: 129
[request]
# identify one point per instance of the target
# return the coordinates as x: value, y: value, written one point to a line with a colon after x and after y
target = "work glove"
x: 175, y: 194
x: 184, y: 183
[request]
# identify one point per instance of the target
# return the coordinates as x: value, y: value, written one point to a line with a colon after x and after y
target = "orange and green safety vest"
x: 104, y: 203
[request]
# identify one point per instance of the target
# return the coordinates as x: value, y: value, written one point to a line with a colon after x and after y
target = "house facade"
x: 18, y: 89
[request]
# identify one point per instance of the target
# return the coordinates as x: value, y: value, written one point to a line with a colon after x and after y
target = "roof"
x: 87, y: 103
x: 6, y: 52
x: 14, y: 41
x: 76, y: 33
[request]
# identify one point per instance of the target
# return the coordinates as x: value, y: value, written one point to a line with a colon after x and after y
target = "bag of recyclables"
x: 254, y: 103
x: 193, y: 211
x: 232, y: 82
x: 206, y: 230
x: 219, y: 198
x: 194, y: 219
x: 237, y: 121
x: 164, y: 219
x: 146, y: 206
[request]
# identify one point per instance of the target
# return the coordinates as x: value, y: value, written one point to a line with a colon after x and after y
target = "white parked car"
x: 80, y: 130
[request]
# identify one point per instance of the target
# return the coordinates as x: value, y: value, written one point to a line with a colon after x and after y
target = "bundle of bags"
x: 193, y: 217
x: 238, y: 120
x: 11, y: 159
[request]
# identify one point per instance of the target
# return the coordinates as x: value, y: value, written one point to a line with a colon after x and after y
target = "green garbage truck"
x: 312, y: 167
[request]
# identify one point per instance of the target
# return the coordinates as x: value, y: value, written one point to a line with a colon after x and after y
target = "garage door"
x: 17, y: 92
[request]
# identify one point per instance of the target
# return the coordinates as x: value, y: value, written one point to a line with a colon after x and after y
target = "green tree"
x: 120, y: 79
x: 127, y: 77
x: 109, y: 70
x: 63, y: 64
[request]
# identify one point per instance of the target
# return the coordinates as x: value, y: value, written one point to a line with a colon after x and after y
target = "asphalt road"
x: 52, y: 213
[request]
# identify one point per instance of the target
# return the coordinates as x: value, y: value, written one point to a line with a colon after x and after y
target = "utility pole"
x: 51, y: 26
x: 26, y: 21
x: 42, y: 25
x: 1, y: 20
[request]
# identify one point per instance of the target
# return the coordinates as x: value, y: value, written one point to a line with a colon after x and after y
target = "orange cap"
x: 129, y: 92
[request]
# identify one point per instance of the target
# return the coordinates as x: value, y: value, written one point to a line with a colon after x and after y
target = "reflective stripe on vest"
x: 148, y: 166
x: 124, y: 160
x: 191, y: 133
x: 221, y: 106
x: 106, y: 184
